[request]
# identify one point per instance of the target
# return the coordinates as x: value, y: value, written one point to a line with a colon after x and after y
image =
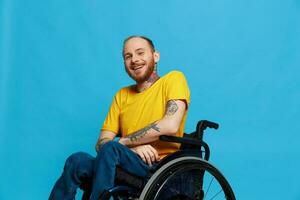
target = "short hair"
x: 142, y: 37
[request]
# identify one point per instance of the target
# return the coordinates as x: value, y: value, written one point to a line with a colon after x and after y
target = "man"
x: 142, y: 112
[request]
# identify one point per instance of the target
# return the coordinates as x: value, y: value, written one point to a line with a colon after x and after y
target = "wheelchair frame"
x: 193, y: 155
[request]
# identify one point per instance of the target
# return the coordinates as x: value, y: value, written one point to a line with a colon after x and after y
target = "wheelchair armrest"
x: 188, y: 144
x: 181, y: 140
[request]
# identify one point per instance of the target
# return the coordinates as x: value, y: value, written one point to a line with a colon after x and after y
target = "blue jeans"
x: 81, y: 167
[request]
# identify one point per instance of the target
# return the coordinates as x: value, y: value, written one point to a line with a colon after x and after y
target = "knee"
x: 74, y: 160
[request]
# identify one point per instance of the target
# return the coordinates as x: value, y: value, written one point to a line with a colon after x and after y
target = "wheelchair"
x: 183, y: 175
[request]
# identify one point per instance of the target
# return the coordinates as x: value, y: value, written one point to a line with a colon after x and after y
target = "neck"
x: 140, y: 87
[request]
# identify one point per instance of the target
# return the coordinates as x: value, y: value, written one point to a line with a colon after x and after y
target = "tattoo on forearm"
x: 141, y: 133
x: 104, y: 140
x: 171, y: 107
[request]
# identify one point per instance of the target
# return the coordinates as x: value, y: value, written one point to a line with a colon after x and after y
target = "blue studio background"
x: 61, y: 65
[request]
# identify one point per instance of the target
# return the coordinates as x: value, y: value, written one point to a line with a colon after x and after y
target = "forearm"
x: 150, y: 133
x: 105, y: 136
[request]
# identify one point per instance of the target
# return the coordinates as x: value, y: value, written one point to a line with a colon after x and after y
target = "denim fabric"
x: 81, y: 167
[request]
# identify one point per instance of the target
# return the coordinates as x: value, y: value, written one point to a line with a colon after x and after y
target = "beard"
x: 146, y: 75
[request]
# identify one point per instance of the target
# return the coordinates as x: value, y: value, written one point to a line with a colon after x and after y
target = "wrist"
x: 123, y: 141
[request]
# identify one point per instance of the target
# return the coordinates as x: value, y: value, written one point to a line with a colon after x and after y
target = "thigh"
x: 124, y: 157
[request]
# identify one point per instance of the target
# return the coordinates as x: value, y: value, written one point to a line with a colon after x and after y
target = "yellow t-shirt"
x: 131, y: 111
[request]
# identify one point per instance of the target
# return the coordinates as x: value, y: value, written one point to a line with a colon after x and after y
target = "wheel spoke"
x: 216, y: 194
x: 209, y: 187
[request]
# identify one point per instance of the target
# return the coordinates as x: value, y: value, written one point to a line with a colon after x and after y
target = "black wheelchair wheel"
x: 187, y: 178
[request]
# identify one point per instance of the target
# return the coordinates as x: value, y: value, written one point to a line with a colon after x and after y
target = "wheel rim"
x: 180, y: 177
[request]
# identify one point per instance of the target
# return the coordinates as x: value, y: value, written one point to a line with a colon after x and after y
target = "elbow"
x: 173, y: 129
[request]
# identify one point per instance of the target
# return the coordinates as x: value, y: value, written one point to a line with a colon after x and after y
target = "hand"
x: 147, y: 153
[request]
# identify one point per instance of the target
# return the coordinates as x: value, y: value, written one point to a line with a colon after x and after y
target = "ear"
x: 156, y: 56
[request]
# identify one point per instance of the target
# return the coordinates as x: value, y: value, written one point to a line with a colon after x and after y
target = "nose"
x: 134, y: 58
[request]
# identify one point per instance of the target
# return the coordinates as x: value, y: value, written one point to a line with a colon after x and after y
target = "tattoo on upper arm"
x: 172, y: 107
x: 141, y: 133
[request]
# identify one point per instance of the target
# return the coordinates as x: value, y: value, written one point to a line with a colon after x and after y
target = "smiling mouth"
x: 137, y: 68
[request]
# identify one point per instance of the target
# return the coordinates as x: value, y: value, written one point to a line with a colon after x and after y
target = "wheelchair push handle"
x: 203, y: 124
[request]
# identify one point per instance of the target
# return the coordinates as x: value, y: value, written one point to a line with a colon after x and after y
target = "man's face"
x: 139, y: 59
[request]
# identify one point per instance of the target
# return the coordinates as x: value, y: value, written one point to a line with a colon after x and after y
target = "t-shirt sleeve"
x: 111, y: 122
x: 177, y: 87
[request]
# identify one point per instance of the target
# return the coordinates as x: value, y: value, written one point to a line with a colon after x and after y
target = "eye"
x: 140, y: 53
x: 127, y: 57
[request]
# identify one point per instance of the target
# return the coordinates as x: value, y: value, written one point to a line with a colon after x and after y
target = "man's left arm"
x: 168, y: 125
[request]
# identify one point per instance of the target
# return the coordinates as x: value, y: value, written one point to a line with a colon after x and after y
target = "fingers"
x: 147, y: 153
x: 155, y: 156
x: 141, y: 154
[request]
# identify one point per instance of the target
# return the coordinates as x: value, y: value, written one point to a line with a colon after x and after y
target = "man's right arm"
x: 105, y: 136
